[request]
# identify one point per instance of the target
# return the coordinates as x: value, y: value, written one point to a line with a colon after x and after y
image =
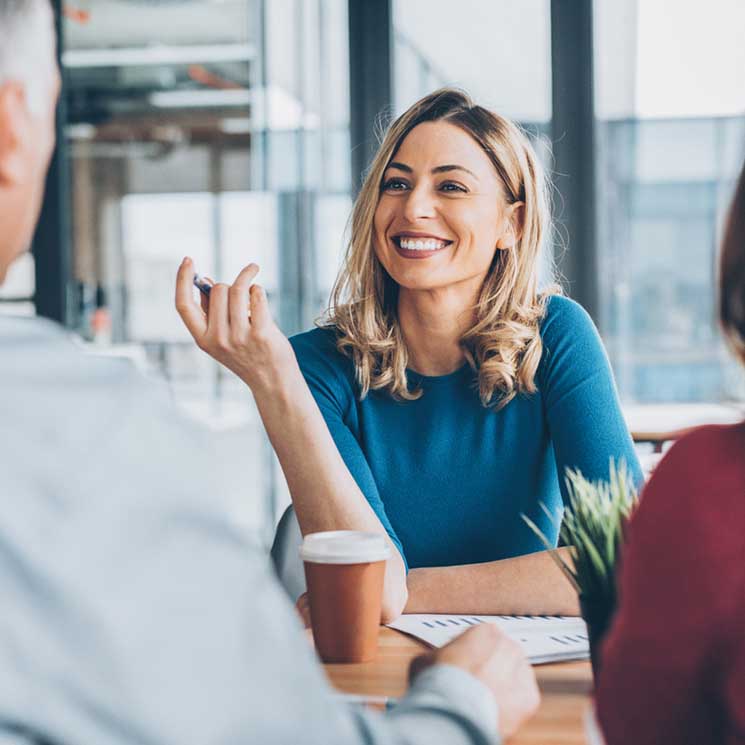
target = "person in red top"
x: 673, y: 665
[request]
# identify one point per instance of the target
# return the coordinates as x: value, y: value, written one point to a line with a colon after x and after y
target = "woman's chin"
x: 421, y: 283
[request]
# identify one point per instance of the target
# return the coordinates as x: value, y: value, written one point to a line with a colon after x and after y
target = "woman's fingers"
x: 190, y: 313
x: 260, y: 315
x: 238, y: 303
x: 234, y: 324
x: 218, y: 328
x: 204, y: 300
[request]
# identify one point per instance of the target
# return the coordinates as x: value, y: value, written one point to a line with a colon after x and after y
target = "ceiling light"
x: 157, y: 55
x: 199, y: 98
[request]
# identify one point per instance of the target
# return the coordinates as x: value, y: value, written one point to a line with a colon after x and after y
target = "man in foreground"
x: 135, y: 608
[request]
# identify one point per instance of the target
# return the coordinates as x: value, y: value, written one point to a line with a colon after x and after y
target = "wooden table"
x: 659, y: 423
x: 565, y: 689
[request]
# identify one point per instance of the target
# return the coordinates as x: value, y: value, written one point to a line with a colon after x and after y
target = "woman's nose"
x: 420, y: 203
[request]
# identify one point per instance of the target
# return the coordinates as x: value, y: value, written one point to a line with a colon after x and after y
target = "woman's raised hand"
x: 235, y: 327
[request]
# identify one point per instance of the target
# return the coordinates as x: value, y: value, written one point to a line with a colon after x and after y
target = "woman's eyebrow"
x: 438, y: 169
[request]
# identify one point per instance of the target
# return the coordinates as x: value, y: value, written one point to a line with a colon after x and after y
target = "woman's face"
x: 442, y: 211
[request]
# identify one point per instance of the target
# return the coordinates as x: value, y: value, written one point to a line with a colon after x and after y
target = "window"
x: 671, y: 138
x: 499, y: 52
x: 219, y: 131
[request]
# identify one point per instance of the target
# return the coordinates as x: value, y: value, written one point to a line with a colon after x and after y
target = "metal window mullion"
x: 574, y: 142
x: 370, y: 77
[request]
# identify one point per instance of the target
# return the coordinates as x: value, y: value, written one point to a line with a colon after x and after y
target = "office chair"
x: 285, y: 555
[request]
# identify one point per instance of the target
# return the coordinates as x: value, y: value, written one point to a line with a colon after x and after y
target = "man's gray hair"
x: 27, y: 46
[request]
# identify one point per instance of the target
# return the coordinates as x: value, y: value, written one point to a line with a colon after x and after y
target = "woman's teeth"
x: 422, y: 245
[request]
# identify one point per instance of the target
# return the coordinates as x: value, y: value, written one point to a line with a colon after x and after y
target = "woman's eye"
x: 397, y: 184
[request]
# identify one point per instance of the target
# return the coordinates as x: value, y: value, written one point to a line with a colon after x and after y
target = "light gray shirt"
x: 135, y: 608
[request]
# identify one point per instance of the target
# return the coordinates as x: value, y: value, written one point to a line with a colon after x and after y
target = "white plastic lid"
x: 344, y: 547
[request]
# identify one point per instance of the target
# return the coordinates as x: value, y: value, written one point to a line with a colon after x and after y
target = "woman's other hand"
x: 235, y: 327
x: 303, y: 608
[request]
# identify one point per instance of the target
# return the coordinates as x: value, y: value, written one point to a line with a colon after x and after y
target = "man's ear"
x: 14, y: 124
x: 513, y: 229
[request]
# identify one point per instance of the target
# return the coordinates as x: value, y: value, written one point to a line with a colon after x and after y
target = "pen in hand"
x: 203, y: 285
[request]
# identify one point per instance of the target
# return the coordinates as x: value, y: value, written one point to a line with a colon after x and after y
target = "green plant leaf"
x: 593, y: 528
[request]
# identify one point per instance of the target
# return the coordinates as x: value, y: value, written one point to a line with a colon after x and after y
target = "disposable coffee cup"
x: 344, y: 571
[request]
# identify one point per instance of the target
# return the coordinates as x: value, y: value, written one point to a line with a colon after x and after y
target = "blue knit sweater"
x: 449, y: 478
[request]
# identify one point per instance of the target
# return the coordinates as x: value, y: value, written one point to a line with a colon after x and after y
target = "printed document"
x: 543, y: 638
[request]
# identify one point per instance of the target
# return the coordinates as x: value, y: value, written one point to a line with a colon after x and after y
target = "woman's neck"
x: 433, y: 323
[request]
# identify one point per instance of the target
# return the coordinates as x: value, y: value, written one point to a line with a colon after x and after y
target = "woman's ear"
x: 514, y: 222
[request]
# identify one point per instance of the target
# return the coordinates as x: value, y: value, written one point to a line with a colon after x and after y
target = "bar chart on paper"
x: 543, y: 638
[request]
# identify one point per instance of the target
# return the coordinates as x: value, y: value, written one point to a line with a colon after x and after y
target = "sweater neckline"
x: 418, y: 378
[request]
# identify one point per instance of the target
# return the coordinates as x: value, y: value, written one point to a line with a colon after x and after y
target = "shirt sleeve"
x: 333, y: 392
x: 678, y: 594
x: 582, y: 407
x: 177, y: 632
x: 469, y: 705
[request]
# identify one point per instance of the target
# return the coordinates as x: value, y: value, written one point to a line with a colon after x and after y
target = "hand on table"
x: 499, y: 663
x: 235, y: 326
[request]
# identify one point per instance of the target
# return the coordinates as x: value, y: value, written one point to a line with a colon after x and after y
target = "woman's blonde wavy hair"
x: 504, y: 344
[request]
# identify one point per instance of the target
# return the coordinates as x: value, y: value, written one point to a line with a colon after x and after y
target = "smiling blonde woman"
x: 502, y: 341
x: 444, y: 396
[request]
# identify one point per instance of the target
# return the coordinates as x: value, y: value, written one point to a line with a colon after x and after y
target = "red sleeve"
x: 679, y: 584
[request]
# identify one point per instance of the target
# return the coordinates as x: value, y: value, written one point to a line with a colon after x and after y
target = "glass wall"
x: 499, y: 52
x: 218, y: 130
x: 670, y: 106
x: 671, y: 138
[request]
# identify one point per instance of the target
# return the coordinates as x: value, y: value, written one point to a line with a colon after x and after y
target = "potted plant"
x: 593, y: 529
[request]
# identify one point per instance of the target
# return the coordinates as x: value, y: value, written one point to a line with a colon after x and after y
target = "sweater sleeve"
x: 323, y: 369
x: 680, y: 584
x: 581, y: 403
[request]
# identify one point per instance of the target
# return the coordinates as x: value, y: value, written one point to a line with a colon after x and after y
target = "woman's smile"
x: 413, y: 245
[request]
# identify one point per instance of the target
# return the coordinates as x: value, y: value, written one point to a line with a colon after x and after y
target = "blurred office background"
x: 237, y: 130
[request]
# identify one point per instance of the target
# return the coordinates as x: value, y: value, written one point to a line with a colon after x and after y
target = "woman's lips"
x: 418, y: 247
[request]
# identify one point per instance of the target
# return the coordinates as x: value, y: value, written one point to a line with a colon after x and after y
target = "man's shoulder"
x: 46, y: 377
x: 22, y: 329
x: 705, y: 455
x: 699, y: 481
x: 40, y: 354
x: 89, y: 424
